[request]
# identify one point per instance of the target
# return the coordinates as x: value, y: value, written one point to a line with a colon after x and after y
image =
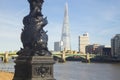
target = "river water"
x: 79, y: 71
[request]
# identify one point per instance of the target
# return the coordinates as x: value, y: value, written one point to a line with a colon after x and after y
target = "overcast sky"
x: 100, y: 18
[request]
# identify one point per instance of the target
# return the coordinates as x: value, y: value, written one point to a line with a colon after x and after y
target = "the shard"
x: 65, y: 38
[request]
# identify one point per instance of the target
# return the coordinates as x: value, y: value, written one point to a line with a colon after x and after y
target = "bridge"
x: 5, y: 56
x: 63, y: 55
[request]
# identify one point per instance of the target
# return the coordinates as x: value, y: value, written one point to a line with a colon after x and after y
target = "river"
x: 79, y: 71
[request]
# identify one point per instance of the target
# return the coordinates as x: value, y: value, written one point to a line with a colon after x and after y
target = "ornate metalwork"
x: 33, y: 36
x: 42, y: 71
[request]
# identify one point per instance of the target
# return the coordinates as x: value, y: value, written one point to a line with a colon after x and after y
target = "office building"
x: 94, y: 49
x: 83, y: 42
x: 65, y: 38
x: 115, y: 45
x: 106, y: 51
x: 57, y: 46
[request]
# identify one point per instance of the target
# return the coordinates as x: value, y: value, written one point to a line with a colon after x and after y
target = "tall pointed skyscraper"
x: 65, y: 38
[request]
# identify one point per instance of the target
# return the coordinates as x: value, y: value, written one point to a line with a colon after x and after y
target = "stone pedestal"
x: 34, y: 68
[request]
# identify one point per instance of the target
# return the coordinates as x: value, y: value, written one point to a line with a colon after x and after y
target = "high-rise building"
x: 65, y: 38
x: 115, y: 45
x: 83, y: 42
x: 57, y: 46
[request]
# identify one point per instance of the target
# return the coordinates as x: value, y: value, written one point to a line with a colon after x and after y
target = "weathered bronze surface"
x: 33, y: 36
x: 34, y: 61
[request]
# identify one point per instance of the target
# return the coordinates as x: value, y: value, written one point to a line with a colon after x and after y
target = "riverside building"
x: 95, y: 49
x: 115, y: 45
x: 83, y: 42
x: 65, y: 38
x: 57, y: 46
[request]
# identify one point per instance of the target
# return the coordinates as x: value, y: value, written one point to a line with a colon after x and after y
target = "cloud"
x: 9, y: 19
x: 110, y: 31
x: 99, y: 18
x: 54, y: 33
x: 9, y: 40
x: 110, y: 14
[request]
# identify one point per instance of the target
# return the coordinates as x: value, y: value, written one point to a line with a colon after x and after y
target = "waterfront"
x: 79, y: 71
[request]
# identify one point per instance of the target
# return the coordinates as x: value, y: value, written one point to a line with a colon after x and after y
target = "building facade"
x: 115, y: 45
x: 57, y: 46
x: 94, y: 49
x: 106, y: 51
x: 83, y: 42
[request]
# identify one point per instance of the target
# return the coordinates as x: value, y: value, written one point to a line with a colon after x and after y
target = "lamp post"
x: 34, y: 61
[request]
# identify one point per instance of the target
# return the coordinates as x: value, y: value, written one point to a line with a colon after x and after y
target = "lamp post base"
x: 34, y: 68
